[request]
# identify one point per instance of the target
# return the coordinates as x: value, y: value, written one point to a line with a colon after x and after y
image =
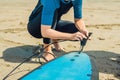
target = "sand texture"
x: 102, y: 18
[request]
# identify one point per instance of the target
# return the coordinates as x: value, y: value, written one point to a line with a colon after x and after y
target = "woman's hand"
x: 81, y: 26
x: 77, y: 36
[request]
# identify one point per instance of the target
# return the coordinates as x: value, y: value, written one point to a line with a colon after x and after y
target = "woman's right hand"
x: 77, y: 36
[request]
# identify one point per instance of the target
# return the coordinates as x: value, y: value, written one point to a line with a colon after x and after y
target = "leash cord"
x: 29, y: 59
x: 82, y: 43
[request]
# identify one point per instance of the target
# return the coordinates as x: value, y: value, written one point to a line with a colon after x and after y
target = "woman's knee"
x: 34, y: 30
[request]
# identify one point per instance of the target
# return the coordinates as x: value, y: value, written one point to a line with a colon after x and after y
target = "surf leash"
x: 40, y: 52
x: 18, y: 66
x: 84, y: 41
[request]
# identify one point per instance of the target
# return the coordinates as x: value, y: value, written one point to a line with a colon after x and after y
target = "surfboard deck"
x: 72, y: 66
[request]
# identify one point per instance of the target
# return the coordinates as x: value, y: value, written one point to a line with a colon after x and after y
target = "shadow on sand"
x: 20, y: 53
x: 106, y: 62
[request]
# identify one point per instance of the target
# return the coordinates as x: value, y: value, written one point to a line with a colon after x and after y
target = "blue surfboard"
x: 72, y: 66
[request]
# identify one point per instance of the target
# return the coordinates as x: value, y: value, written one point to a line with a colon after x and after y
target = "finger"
x: 86, y: 33
x: 80, y: 37
x: 83, y: 36
x: 89, y: 38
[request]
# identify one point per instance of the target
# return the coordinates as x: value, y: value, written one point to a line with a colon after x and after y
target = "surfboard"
x: 72, y: 66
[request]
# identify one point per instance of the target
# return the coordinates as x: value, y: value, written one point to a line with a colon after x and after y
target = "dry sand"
x: 102, y: 17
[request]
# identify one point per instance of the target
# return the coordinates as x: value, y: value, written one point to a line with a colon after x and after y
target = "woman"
x: 45, y: 22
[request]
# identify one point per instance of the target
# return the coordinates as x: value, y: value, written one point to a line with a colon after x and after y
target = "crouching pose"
x: 45, y: 22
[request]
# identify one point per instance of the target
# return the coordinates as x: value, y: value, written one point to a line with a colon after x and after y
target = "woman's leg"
x: 46, y: 42
x: 66, y: 26
x: 34, y: 30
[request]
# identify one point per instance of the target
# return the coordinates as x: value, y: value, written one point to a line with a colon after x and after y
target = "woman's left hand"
x: 81, y: 26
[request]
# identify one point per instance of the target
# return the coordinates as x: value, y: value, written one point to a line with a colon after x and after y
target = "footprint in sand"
x: 100, y: 38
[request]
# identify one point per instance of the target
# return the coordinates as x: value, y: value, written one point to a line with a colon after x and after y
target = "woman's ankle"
x: 48, y: 48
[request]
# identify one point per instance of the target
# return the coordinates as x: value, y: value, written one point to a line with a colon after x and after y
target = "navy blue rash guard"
x: 50, y: 6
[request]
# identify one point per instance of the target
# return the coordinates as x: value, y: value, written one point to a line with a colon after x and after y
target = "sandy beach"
x: 102, y: 18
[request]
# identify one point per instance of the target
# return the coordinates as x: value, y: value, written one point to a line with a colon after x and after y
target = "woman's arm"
x: 47, y: 32
x: 53, y: 34
x: 80, y: 25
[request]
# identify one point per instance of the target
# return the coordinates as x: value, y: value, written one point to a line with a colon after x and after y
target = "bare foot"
x: 48, y: 54
x: 58, y: 47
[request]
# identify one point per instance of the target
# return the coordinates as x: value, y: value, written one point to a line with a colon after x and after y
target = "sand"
x: 102, y: 18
